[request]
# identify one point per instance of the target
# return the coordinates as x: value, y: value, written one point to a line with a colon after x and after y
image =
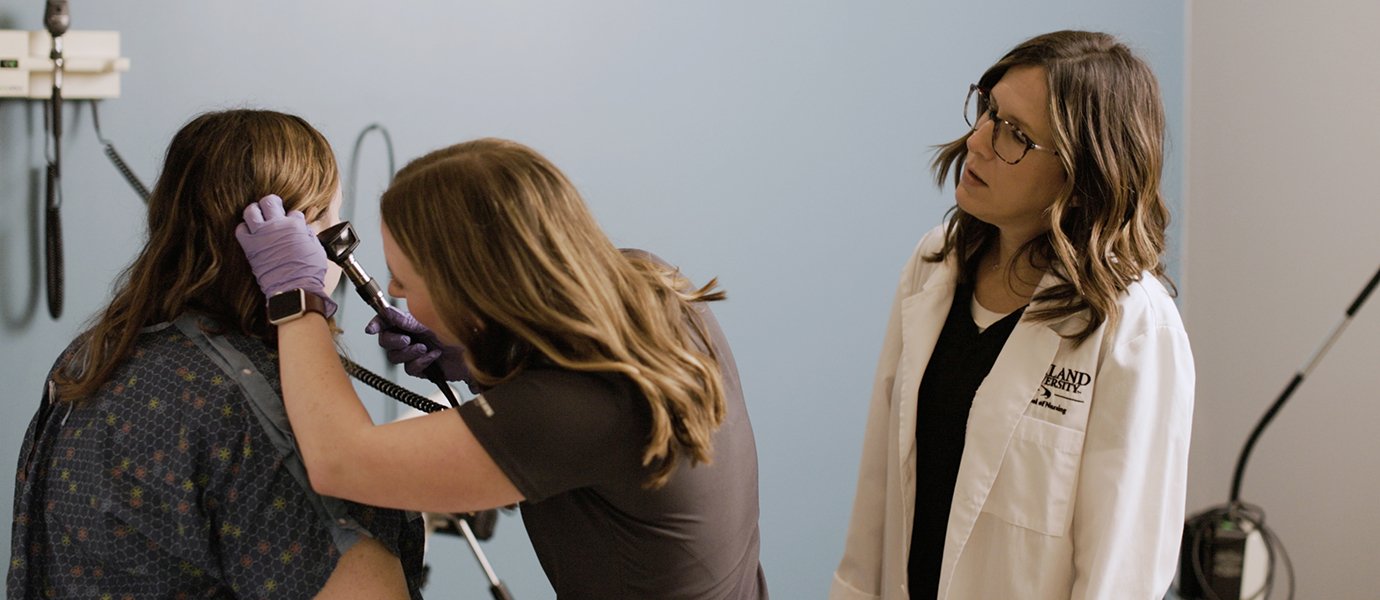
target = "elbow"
x: 341, y: 466
x: 328, y: 475
x: 321, y: 484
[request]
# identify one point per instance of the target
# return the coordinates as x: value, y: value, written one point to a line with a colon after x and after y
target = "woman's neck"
x: 1008, y: 273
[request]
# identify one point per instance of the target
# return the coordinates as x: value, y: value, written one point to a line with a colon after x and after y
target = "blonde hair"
x: 1107, y: 224
x: 215, y: 166
x: 519, y: 270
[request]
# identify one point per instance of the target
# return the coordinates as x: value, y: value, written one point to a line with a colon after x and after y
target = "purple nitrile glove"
x: 282, y: 251
x: 412, y: 345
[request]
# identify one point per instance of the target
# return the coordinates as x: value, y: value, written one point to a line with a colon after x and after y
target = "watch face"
x: 285, y: 305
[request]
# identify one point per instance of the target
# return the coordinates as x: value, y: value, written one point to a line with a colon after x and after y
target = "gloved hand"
x: 282, y: 251
x: 412, y: 345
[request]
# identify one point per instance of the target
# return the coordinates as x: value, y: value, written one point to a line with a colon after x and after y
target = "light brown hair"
x: 1107, y: 225
x: 216, y: 165
x: 520, y: 271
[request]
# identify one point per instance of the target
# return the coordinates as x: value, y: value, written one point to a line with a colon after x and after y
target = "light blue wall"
x: 780, y: 146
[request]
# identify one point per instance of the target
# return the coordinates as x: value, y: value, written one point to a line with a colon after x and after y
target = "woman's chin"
x: 969, y: 206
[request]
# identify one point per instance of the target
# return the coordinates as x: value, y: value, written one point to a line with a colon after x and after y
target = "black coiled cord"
x: 125, y: 171
x: 476, y: 525
x: 115, y: 157
x: 389, y: 388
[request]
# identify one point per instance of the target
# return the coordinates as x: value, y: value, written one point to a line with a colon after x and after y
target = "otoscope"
x: 340, y: 242
x: 56, y: 19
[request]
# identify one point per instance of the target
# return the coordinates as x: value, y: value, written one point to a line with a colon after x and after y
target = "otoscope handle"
x: 340, y: 242
x: 372, y: 295
x: 52, y: 242
x: 56, y: 109
x: 434, y: 375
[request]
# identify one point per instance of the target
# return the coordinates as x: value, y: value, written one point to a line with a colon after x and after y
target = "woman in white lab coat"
x: 1029, y: 422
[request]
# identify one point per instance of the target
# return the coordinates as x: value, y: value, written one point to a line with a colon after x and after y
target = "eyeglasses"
x: 1008, y: 141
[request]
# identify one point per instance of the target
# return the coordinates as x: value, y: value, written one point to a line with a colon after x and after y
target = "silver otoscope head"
x: 340, y: 242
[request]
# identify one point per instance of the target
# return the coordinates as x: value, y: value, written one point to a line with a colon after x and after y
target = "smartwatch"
x: 292, y: 304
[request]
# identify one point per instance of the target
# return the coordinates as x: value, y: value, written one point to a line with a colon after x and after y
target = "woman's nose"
x: 980, y: 140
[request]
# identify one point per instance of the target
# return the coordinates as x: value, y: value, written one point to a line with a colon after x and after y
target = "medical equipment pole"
x: 1294, y: 384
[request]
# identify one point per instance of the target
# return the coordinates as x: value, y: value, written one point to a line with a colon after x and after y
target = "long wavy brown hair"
x: 216, y: 165
x: 1107, y: 225
x: 519, y: 270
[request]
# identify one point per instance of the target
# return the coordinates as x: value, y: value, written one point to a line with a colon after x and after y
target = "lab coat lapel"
x: 997, y: 408
x: 922, y: 319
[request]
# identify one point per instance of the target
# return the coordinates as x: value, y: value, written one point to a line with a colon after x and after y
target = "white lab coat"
x: 1074, y: 467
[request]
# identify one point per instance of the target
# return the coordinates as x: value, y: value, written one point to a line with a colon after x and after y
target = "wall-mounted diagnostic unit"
x: 91, y: 69
x: 58, y: 64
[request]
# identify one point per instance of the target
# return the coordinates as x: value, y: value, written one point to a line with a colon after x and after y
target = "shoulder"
x: 1147, y: 324
x: 551, y: 429
x: 917, y: 269
x: 647, y: 261
x: 933, y: 240
x: 930, y: 243
x: 563, y: 390
x: 556, y: 404
x: 1147, y: 307
x: 170, y: 382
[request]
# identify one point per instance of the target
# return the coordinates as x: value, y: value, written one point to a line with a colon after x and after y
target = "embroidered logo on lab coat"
x: 1062, y: 384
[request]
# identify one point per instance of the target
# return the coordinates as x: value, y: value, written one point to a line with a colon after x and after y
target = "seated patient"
x: 161, y: 463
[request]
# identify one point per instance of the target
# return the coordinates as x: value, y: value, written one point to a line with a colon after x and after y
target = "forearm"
x: 392, y: 466
x: 327, y: 416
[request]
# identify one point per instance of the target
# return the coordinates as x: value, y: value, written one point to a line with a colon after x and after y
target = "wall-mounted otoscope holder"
x: 91, y: 64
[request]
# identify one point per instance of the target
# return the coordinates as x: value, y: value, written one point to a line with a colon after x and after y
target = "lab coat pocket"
x: 1034, y: 486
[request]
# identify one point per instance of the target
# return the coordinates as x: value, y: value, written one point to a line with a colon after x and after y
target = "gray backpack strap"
x: 267, y: 406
